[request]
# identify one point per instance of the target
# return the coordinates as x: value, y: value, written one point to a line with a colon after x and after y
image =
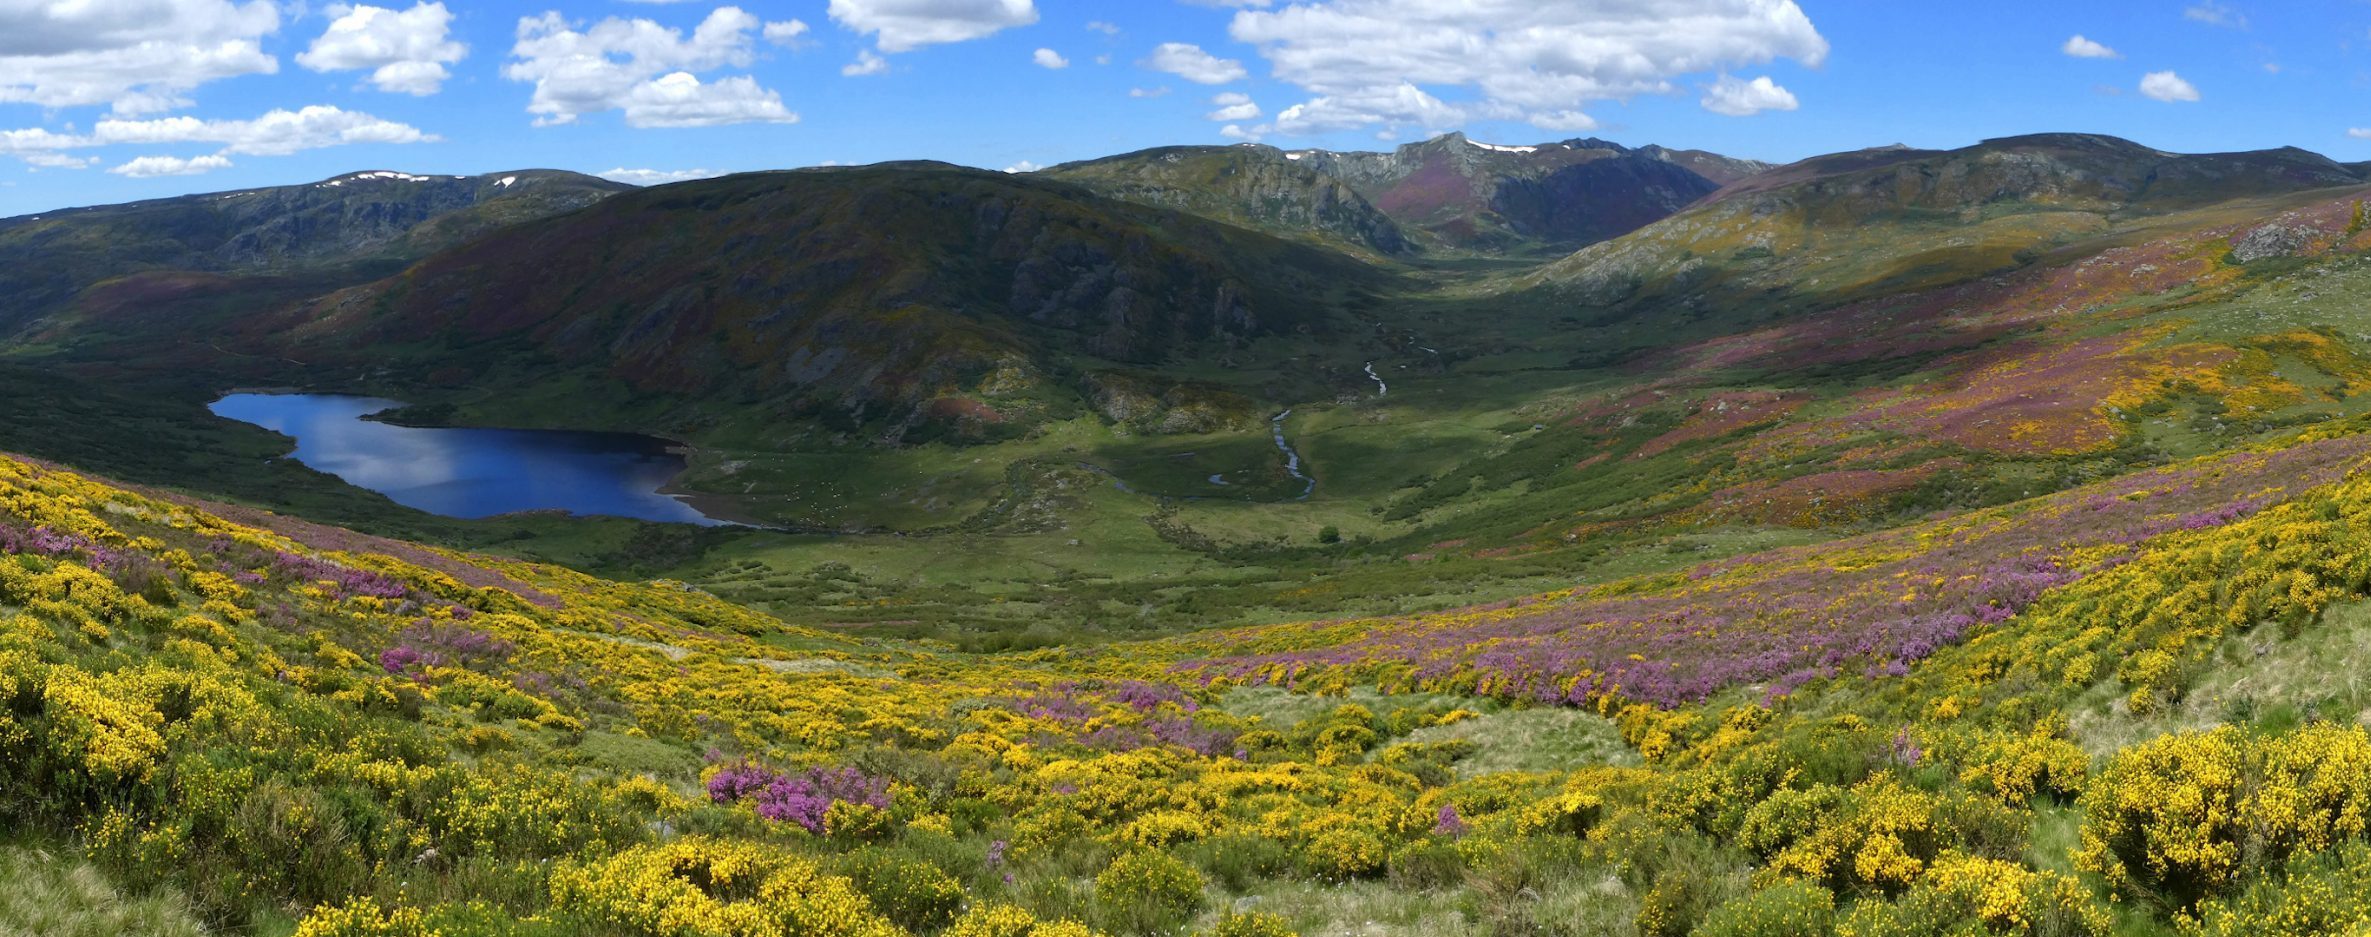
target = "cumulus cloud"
x: 151, y: 166
x: 406, y: 51
x: 59, y: 161
x: 656, y: 176
x: 786, y: 32
x: 2359, y: 133
x: 137, y: 56
x: 1234, y: 106
x: 1148, y: 92
x: 1736, y: 98
x: 276, y: 133
x: 1188, y: 61
x: 1404, y: 104
x: 2168, y: 87
x: 1563, y: 121
x: 2214, y: 13
x: 1048, y: 58
x: 643, y: 69
x: 868, y: 62
x: 1542, y: 61
x: 902, y: 25
x: 2082, y: 48
x: 1022, y: 167
x: 679, y: 99
x: 1106, y: 28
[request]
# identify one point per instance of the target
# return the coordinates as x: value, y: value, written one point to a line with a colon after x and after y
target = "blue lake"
x: 472, y: 472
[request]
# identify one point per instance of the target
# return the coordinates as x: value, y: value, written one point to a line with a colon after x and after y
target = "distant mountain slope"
x: 1483, y: 196
x: 908, y: 293
x: 1864, y: 223
x: 2084, y: 172
x: 1250, y: 186
x: 1448, y: 192
x: 47, y: 261
x: 1722, y: 170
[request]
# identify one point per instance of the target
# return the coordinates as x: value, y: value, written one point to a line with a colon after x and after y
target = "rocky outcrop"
x: 2272, y: 240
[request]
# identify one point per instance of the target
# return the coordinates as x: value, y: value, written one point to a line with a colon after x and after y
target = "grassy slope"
x: 1508, y: 458
x: 1755, y: 485
x: 558, y: 738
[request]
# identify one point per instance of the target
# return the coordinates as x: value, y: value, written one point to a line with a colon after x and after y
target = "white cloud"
x: 276, y: 133
x: 656, y: 176
x: 1234, y: 106
x: 786, y: 32
x: 138, y: 56
x: 2167, y: 87
x: 1048, y: 58
x: 1563, y: 121
x: 38, y: 140
x: 59, y: 161
x: 151, y: 166
x: 643, y: 69
x: 1148, y: 92
x: 1108, y: 29
x: 2359, y: 133
x: 1022, y: 167
x: 679, y: 99
x: 867, y: 62
x: 2214, y: 13
x: 2082, y: 48
x: 1188, y: 61
x: 407, y: 51
x: 1236, y: 132
x: 1536, y: 60
x: 902, y: 25
x: 1735, y: 98
x: 1404, y: 104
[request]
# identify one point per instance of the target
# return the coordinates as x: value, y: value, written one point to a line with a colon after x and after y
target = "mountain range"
x: 1183, y: 292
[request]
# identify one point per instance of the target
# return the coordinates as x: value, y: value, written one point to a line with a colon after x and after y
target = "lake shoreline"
x: 477, y: 473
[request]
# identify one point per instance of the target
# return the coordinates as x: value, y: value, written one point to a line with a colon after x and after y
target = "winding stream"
x: 1292, y: 457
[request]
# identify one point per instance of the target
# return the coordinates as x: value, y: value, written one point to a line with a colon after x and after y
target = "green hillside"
x: 1897, y: 542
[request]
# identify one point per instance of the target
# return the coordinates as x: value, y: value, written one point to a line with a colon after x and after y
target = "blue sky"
x: 116, y: 100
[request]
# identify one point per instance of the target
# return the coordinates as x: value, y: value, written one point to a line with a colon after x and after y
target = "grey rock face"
x: 2272, y: 240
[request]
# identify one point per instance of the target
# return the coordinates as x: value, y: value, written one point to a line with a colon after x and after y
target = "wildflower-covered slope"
x: 284, y: 725
x: 2021, y: 602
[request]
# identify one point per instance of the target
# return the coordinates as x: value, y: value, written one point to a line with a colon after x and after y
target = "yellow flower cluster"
x: 1004, y: 920
x: 363, y: 917
x: 2177, y: 814
x: 720, y: 887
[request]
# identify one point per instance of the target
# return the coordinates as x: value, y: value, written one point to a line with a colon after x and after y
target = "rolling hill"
x: 357, y: 226
x: 1449, y: 192
x: 1847, y: 226
x: 1247, y: 186
x: 896, y: 299
x: 1533, y: 199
